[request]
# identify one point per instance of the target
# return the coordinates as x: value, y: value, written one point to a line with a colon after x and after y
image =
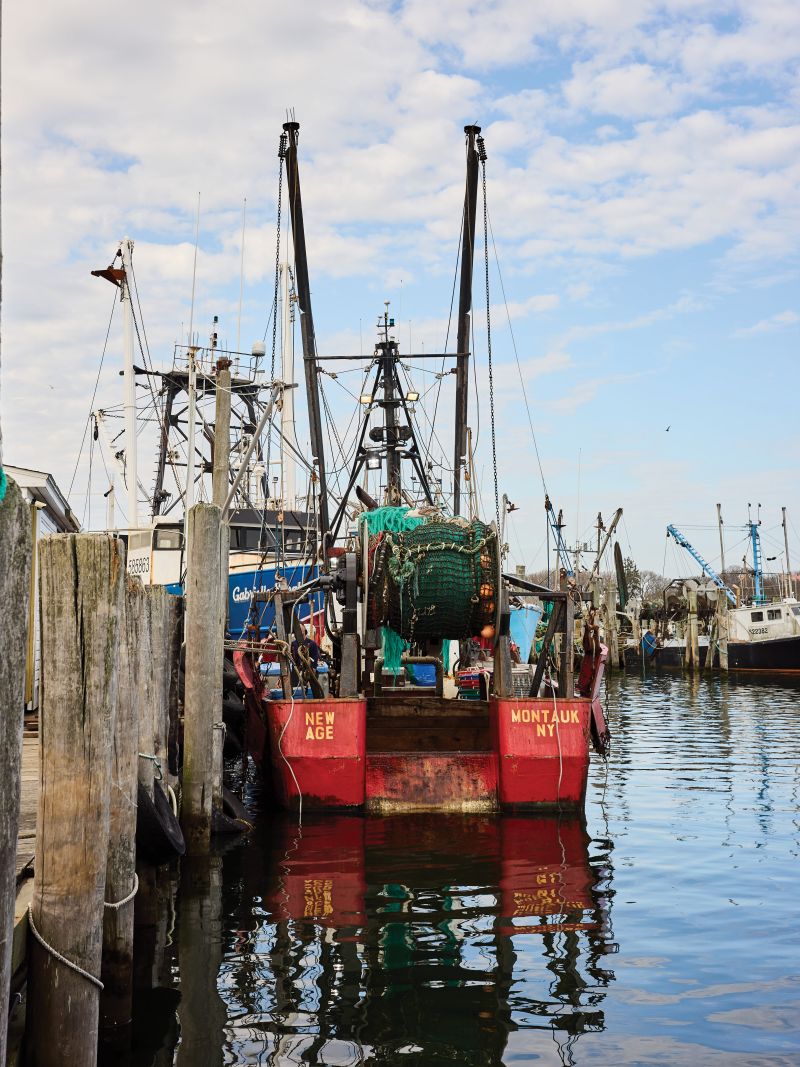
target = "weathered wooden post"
x: 146, y: 695
x: 204, y: 655
x: 15, y: 571
x: 121, y: 881
x: 202, y: 1010
x: 157, y: 713
x: 220, y: 480
x: 612, y: 636
x: 722, y: 630
x: 692, y: 659
x: 81, y: 593
x: 174, y: 639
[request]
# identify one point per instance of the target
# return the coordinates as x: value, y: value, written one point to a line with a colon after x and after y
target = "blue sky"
x: 643, y: 178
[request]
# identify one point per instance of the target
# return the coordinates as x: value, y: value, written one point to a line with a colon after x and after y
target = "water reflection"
x: 420, y: 939
x: 479, y: 941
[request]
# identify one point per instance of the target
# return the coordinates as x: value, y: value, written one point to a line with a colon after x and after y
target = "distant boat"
x: 763, y: 635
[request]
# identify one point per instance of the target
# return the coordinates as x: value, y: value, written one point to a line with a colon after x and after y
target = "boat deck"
x: 420, y: 723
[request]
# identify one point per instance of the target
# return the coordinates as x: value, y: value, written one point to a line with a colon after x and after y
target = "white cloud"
x: 780, y: 321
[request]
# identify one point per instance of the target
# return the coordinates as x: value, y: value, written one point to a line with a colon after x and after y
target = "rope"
x: 156, y: 762
x: 57, y: 955
x: 489, y: 339
x: 125, y: 900
x: 94, y: 394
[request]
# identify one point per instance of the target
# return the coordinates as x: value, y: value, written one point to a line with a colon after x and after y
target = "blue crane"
x: 674, y: 532
x: 758, y: 570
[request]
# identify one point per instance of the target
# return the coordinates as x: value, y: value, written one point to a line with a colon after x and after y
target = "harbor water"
x: 665, y: 931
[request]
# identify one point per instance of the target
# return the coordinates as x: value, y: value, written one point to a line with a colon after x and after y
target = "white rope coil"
x: 125, y: 900
x: 57, y: 955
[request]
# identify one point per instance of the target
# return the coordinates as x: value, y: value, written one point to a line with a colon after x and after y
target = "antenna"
x: 194, y: 268
x: 241, y: 279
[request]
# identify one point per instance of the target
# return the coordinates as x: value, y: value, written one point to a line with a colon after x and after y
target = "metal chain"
x: 482, y: 151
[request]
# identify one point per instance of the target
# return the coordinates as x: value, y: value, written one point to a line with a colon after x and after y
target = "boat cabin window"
x: 168, y: 538
x: 796, y: 610
x: 139, y: 540
x: 773, y: 613
x: 757, y: 616
x: 252, y: 538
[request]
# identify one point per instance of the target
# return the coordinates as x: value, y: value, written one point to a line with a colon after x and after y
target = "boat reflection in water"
x: 413, y: 939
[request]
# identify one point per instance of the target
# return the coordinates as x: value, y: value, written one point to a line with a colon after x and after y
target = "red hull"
x: 422, y: 781
x: 543, y: 748
x: 318, y: 748
x: 514, y: 754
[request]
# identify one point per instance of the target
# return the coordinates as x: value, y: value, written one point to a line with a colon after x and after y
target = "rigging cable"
x: 94, y: 394
x: 447, y: 335
x: 516, y: 357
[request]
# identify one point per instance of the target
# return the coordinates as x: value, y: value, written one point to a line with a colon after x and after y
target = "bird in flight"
x: 667, y: 429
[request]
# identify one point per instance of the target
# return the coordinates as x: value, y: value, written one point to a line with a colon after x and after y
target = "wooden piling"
x: 117, y: 961
x: 159, y: 708
x: 15, y: 572
x: 174, y: 640
x: 81, y: 592
x: 692, y: 655
x: 220, y: 479
x: 147, y: 695
x: 722, y: 630
x: 204, y: 656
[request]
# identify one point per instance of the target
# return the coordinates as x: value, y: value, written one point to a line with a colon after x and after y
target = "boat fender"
x: 234, y: 817
x: 159, y: 838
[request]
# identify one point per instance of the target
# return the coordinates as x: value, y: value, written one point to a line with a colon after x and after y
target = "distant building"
x: 50, y: 513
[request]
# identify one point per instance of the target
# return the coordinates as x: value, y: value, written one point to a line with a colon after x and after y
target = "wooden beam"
x: 81, y: 604
x: 15, y: 576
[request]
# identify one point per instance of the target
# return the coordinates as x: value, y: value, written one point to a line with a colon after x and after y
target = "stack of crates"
x: 470, y: 684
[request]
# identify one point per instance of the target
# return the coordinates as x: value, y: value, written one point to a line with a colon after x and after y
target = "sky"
x: 643, y: 190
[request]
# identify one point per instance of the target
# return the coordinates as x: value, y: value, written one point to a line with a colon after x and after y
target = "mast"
x: 129, y: 382
x: 789, y: 581
x: 386, y: 350
x: 721, y: 542
x: 464, y: 308
x: 287, y: 408
x: 306, y: 318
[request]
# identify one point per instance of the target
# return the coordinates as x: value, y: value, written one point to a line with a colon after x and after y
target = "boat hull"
x: 317, y: 752
x: 539, y: 760
x: 543, y: 752
x: 777, y: 654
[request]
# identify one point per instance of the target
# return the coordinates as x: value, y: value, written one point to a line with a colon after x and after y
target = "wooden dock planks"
x: 26, y: 838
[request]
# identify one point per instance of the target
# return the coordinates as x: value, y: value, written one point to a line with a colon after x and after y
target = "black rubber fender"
x: 159, y: 837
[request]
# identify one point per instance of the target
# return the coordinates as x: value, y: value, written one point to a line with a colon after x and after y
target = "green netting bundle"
x: 393, y: 646
x: 443, y: 579
x: 389, y: 519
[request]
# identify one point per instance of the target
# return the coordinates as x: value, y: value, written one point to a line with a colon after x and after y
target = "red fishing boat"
x: 403, y: 576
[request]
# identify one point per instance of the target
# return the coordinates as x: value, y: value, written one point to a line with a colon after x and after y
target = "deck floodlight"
x: 365, y: 399
x: 412, y: 396
x: 373, y: 462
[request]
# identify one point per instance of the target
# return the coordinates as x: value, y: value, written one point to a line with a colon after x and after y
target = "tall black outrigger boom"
x: 464, y: 308
x: 306, y: 321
